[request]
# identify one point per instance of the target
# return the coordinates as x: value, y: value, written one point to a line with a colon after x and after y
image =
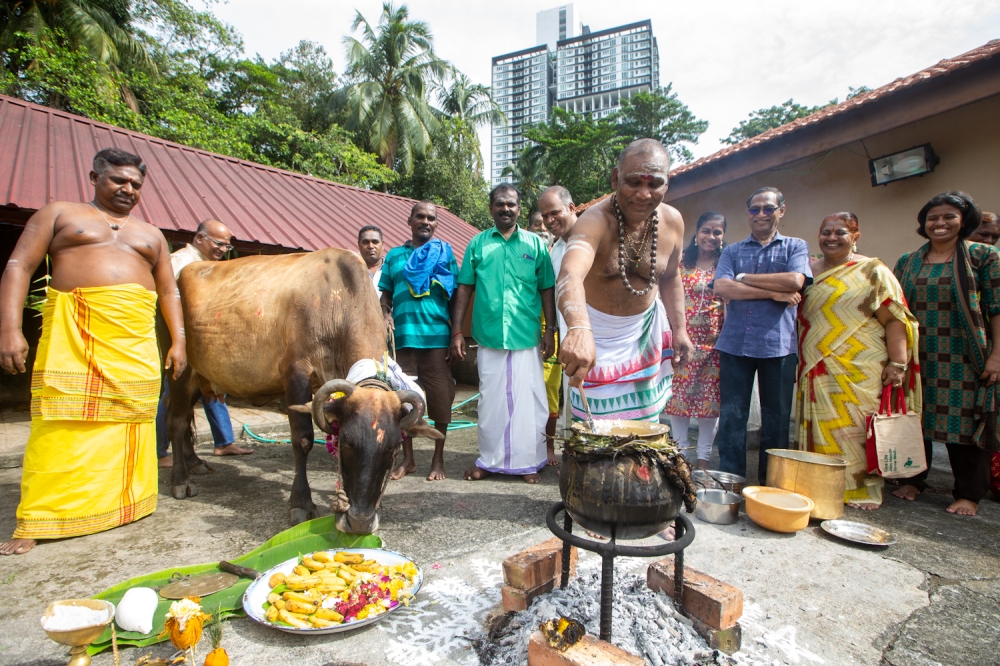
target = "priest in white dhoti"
x: 511, y: 273
x: 620, y: 293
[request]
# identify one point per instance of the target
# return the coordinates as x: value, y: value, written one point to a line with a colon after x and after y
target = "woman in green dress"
x: 953, y: 286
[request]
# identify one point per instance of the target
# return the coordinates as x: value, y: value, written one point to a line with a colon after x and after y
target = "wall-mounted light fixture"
x: 905, y: 164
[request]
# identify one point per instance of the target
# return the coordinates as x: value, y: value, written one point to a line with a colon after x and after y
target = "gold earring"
x: 854, y: 247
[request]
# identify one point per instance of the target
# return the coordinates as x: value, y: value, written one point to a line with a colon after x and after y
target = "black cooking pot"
x: 627, y: 495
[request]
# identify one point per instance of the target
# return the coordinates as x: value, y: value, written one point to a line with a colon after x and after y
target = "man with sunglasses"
x: 211, y: 243
x: 760, y: 277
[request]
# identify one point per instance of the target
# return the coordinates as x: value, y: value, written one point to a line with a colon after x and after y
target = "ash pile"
x: 644, y: 623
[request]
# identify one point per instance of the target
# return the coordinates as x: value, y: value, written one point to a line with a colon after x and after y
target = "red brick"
x: 713, y: 602
x: 515, y: 599
x: 726, y: 640
x: 588, y: 652
x: 537, y: 565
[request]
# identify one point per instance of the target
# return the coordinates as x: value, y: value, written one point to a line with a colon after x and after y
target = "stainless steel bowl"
x: 719, y: 507
x: 734, y: 483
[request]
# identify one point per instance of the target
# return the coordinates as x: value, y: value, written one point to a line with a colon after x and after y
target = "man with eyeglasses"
x: 211, y: 243
x: 760, y: 277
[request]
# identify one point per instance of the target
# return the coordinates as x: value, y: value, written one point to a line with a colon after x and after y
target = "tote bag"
x: 895, y: 442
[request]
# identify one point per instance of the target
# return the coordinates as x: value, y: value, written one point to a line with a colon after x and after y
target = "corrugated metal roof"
x: 47, y: 157
x: 943, y: 68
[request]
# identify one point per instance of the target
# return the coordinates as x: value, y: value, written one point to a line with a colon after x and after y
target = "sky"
x: 724, y: 58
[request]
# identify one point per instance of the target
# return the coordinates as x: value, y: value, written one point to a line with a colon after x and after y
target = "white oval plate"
x: 256, y: 595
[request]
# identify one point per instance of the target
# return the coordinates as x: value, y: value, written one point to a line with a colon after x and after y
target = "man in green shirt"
x: 417, y: 282
x: 511, y: 272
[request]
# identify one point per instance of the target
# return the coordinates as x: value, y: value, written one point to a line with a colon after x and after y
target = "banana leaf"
x: 310, y: 536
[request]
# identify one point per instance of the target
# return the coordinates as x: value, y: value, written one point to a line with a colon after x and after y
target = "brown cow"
x: 291, y: 325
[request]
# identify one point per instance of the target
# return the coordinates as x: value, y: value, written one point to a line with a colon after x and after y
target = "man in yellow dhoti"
x: 90, y: 462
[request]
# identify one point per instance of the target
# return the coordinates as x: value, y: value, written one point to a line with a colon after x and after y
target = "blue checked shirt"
x: 761, y: 328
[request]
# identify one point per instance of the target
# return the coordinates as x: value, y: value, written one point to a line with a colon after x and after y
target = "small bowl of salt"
x: 77, y: 623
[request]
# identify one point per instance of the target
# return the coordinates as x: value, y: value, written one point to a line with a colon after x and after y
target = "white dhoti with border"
x: 513, y: 410
x: 633, y: 374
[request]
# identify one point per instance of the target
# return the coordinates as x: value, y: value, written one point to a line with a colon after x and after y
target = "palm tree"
x: 101, y: 27
x: 468, y: 101
x: 530, y: 174
x: 471, y: 105
x: 386, y: 102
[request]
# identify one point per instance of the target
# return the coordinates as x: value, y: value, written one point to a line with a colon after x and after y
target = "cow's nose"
x: 359, y: 524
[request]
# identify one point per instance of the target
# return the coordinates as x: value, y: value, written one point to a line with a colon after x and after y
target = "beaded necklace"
x: 651, y: 226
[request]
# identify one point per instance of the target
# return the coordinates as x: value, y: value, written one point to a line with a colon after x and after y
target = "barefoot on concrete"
x: 553, y: 460
x: 165, y: 461
x: 476, y: 474
x: 863, y: 507
x: 408, y: 466
x: 17, y: 546
x: 907, y: 492
x: 963, y: 507
x: 532, y: 478
x: 233, y: 449
x: 437, y: 462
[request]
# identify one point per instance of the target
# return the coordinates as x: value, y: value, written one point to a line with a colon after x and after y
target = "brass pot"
x: 817, y: 476
x: 79, y: 639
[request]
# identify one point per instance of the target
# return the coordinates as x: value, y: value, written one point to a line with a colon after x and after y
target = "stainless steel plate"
x: 256, y: 594
x: 858, y: 532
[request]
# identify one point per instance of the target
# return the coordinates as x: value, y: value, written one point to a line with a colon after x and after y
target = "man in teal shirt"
x: 511, y: 272
x: 417, y: 282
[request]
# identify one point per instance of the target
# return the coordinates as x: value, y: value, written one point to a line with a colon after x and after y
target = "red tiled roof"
x: 943, y: 68
x: 48, y: 153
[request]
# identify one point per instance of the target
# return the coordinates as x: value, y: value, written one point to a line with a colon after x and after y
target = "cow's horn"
x: 322, y: 395
x: 416, y: 401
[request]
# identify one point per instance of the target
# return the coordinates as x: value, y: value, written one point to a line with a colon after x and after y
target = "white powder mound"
x: 70, y: 618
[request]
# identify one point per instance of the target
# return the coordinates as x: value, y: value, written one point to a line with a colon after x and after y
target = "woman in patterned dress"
x: 855, y: 338
x: 696, y: 385
x: 950, y: 284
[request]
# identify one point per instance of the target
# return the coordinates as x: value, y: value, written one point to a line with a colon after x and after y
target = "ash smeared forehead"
x: 644, y: 156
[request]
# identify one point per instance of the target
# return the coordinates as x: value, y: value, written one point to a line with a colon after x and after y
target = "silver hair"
x: 564, y: 196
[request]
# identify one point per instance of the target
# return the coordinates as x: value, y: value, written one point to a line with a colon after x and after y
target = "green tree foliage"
x: 473, y: 105
x: 579, y: 151
x: 200, y: 93
x: 574, y: 150
x: 103, y: 28
x: 661, y: 115
x: 389, y: 71
x: 762, y: 120
x: 446, y: 175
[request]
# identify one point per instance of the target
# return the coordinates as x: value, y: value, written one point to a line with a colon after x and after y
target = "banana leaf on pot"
x: 629, y: 479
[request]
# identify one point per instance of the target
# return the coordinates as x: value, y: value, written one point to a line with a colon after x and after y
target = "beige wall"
x: 967, y: 140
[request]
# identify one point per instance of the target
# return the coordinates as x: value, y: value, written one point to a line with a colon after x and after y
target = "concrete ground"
x: 933, y: 598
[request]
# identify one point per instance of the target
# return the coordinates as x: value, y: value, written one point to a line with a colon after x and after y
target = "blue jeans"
x: 218, y: 420
x: 776, y: 383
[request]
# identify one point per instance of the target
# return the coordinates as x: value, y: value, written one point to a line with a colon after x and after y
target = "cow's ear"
x: 302, y: 409
x: 422, y: 429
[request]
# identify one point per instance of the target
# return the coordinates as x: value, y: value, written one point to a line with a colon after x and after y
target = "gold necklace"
x: 114, y: 227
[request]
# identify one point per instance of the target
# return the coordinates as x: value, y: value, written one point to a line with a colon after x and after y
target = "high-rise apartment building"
x: 597, y: 69
x: 521, y: 86
x: 590, y: 72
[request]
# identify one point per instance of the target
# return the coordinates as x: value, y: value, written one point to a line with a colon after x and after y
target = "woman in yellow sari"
x: 856, y: 336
